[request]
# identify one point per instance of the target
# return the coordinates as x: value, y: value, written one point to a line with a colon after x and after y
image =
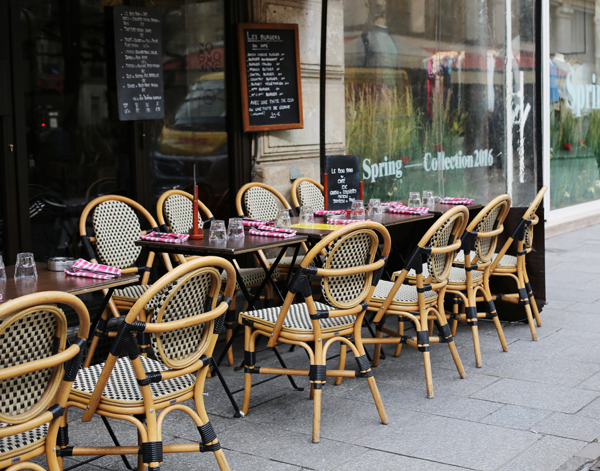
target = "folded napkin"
x: 0, y: 297
x: 249, y: 222
x: 421, y: 210
x: 392, y: 203
x: 448, y: 200
x: 326, y: 212
x: 345, y: 221
x: 96, y: 267
x: 266, y: 227
x: 169, y: 237
x: 89, y: 274
x: 272, y: 233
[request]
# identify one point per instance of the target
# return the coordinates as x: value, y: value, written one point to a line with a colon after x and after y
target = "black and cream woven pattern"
x: 122, y: 384
x: 116, y: 227
x: 251, y: 277
x: 406, y: 294
x: 188, y: 300
x: 506, y: 261
x: 456, y: 275
x: 437, y: 263
x: 483, y: 246
x: 29, y: 338
x: 311, y: 195
x: 347, y: 252
x: 134, y: 291
x: 179, y: 212
x: 20, y: 440
x: 261, y: 204
x: 297, y: 317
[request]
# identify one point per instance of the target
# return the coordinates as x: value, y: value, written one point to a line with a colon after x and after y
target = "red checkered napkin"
x: 448, y: 200
x: 172, y: 238
x: 89, y: 274
x: 96, y: 267
x: 276, y: 229
x: 272, y: 233
x: 326, y: 212
x: 392, y: 203
x: 345, y: 221
x: 421, y: 210
x: 255, y: 222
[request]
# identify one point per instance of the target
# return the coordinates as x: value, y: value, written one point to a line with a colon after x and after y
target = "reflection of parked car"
x: 196, y: 135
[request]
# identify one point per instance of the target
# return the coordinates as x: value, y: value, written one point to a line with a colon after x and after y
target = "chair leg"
x: 229, y: 322
x: 446, y: 333
x: 342, y: 363
x: 428, y: 376
x: 248, y: 353
x: 316, y: 437
x: 100, y: 329
x: 401, y: 332
x: 532, y: 304
x: 377, y: 346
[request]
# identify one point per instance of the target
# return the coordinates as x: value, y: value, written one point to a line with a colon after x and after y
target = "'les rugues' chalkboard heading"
x: 270, y: 76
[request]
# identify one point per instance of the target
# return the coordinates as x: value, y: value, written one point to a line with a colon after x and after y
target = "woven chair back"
x: 260, y: 201
x: 490, y: 218
x: 193, y: 294
x: 175, y: 209
x: 447, y: 230
x: 530, y: 214
x: 309, y: 194
x: 351, y: 250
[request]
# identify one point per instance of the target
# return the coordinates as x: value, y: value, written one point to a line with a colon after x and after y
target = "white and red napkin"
x: 270, y: 231
x: 401, y: 209
x: 93, y: 270
x: 345, y: 221
x: 327, y: 212
x: 448, y: 200
x: 249, y: 222
x: 172, y: 238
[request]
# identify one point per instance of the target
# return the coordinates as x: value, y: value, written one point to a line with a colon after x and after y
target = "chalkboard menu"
x: 270, y: 76
x: 138, y: 61
x: 343, y: 180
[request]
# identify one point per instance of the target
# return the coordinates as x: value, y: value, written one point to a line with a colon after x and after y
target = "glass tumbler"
x: 414, y: 199
x: 217, y: 230
x: 236, y: 228
x: 375, y: 205
x: 428, y: 198
x: 306, y: 215
x: 358, y: 209
x: 2, y: 269
x: 25, y: 266
x: 283, y: 218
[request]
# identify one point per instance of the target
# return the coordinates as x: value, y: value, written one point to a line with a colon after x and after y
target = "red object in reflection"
x: 438, y: 148
x: 405, y: 159
x: 568, y: 146
x: 360, y: 186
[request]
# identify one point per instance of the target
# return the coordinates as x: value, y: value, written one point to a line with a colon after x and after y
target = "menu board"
x: 343, y: 180
x: 138, y: 62
x: 270, y: 76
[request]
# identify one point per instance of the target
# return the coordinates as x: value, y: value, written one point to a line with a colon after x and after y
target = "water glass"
x: 236, y: 228
x: 428, y: 198
x: 375, y: 206
x: 217, y: 230
x: 358, y: 210
x: 25, y: 267
x: 414, y: 199
x: 306, y: 215
x: 283, y: 218
x: 2, y: 269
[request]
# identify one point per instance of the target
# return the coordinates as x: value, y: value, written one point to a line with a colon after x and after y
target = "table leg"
x: 99, y: 315
x: 216, y: 369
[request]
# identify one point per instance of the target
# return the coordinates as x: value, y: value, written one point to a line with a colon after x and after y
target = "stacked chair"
x: 37, y: 370
x: 184, y: 320
x: 307, y: 192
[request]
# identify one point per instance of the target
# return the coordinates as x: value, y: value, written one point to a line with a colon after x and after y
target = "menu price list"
x: 138, y: 58
x: 271, y: 77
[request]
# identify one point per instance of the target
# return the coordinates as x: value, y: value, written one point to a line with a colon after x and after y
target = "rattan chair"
x: 116, y: 227
x: 307, y: 192
x: 422, y: 302
x: 174, y: 210
x: 469, y: 277
x: 515, y: 267
x: 36, y: 372
x: 349, y: 276
x: 184, y: 324
x: 262, y: 202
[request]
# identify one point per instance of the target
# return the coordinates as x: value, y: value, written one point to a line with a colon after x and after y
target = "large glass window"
x: 574, y: 102
x: 438, y: 99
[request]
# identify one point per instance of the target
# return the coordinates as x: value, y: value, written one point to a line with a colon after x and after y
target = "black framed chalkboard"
x: 343, y: 180
x: 270, y: 76
x: 138, y: 62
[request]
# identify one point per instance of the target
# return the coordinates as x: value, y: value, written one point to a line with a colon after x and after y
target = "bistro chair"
x: 514, y: 267
x: 115, y: 228
x: 470, y: 273
x: 421, y: 302
x: 37, y: 370
x: 349, y: 275
x: 184, y: 321
x: 174, y: 210
x: 259, y: 201
x: 307, y: 192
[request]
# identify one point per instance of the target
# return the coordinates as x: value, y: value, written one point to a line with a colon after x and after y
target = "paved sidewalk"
x: 535, y: 407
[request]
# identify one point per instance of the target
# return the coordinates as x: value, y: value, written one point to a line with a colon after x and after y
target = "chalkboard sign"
x: 343, y: 180
x: 270, y: 76
x: 138, y: 62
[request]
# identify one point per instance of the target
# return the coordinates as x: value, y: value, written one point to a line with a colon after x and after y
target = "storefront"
x: 431, y: 94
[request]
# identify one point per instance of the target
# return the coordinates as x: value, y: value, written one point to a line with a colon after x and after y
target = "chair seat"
x: 23, y: 439
x: 251, y: 276
x: 122, y: 387
x: 460, y: 257
x: 133, y: 292
x: 407, y: 294
x: 298, y: 318
x: 459, y: 275
x: 288, y: 260
x: 509, y: 261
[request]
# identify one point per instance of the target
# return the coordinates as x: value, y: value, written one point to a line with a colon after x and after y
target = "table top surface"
x: 56, y: 281
x: 223, y: 248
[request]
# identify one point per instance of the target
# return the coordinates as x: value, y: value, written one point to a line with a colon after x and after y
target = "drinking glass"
x: 358, y: 210
x: 217, y: 230
x: 2, y: 269
x: 25, y: 267
x: 375, y: 206
x: 414, y: 199
x: 283, y: 218
x: 428, y: 198
x: 306, y: 215
x: 236, y: 228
